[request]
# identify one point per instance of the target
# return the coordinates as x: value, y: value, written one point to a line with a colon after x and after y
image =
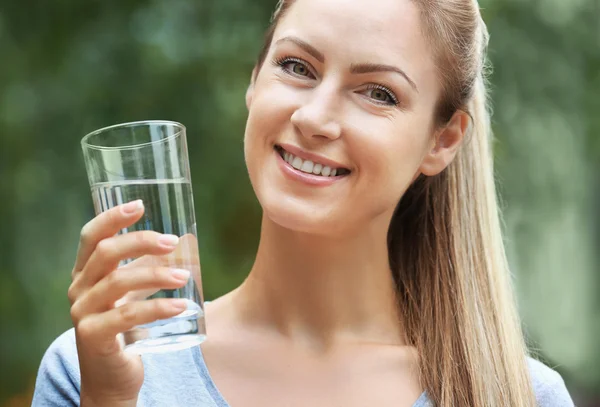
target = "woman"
x: 380, y: 278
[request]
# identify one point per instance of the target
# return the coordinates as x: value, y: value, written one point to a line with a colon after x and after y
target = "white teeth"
x: 308, y: 166
x: 297, y: 163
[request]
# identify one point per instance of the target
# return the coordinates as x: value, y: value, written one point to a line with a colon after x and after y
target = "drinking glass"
x: 148, y: 160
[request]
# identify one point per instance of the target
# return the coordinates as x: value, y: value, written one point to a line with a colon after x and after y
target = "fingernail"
x: 132, y: 207
x: 180, y: 274
x: 168, y: 241
x: 179, y: 304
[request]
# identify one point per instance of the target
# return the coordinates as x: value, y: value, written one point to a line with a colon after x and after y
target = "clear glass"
x: 149, y: 161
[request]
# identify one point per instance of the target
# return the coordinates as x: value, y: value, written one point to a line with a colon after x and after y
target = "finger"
x: 185, y: 256
x: 99, y: 330
x: 102, y: 296
x: 106, y: 224
x: 144, y: 261
x: 136, y: 296
x: 109, y: 252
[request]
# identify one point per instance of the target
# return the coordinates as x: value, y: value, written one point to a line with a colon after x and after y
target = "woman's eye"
x: 294, y: 66
x: 381, y: 95
x: 299, y: 69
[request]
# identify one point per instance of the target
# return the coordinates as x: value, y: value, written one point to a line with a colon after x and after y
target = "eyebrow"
x: 305, y: 46
x: 354, y: 68
x: 368, y: 68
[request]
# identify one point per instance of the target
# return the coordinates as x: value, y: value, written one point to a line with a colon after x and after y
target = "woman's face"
x: 348, y: 88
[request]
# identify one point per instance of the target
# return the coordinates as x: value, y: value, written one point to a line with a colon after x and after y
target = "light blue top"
x: 181, y: 379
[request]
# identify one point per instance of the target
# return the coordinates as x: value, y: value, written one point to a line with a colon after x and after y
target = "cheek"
x: 389, y: 153
x: 272, y: 104
x: 268, y: 122
x: 267, y: 118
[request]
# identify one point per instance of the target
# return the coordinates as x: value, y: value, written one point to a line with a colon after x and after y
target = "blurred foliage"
x: 69, y: 67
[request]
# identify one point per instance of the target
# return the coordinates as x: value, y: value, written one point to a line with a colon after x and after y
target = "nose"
x: 317, y: 118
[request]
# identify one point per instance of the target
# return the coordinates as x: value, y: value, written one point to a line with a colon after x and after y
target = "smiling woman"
x: 380, y: 277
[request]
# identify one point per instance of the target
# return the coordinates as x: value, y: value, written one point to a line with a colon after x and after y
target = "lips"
x: 310, y: 165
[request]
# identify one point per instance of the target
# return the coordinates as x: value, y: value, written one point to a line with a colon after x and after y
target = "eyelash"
x: 282, y: 61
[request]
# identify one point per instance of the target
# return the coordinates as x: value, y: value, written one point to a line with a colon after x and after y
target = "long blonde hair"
x: 445, y: 240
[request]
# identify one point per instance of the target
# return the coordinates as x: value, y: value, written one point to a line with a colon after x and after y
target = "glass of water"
x: 149, y: 161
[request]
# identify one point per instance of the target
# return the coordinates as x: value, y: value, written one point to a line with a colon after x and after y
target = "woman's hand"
x: 103, y: 301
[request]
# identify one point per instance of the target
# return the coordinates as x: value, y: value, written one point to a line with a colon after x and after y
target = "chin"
x: 303, y: 217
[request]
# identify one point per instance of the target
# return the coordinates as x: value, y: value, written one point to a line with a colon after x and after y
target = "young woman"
x: 380, y: 278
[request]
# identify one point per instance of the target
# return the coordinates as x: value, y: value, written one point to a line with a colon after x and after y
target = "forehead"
x: 356, y: 31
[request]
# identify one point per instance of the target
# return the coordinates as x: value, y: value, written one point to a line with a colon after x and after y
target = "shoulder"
x: 63, y: 350
x: 170, y: 379
x: 548, y: 386
x: 58, y: 379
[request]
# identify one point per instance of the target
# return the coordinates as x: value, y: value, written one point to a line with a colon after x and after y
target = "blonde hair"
x: 445, y: 240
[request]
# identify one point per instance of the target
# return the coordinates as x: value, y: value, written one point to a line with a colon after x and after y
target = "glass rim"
x: 86, y: 144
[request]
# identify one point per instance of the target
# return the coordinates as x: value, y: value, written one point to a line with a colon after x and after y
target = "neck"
x: 322, y: 290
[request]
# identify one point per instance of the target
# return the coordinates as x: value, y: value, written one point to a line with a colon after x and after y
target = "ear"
x: 446, y: 144
x: 250, y: 90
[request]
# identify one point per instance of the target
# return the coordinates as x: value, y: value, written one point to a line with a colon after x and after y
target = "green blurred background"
x: 68, y: 67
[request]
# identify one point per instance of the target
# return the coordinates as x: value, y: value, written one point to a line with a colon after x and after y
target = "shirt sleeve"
x: 58, y: 380
x: 548, y: 386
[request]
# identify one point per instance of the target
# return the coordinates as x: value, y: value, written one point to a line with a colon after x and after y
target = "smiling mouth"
x: 310, y: 167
